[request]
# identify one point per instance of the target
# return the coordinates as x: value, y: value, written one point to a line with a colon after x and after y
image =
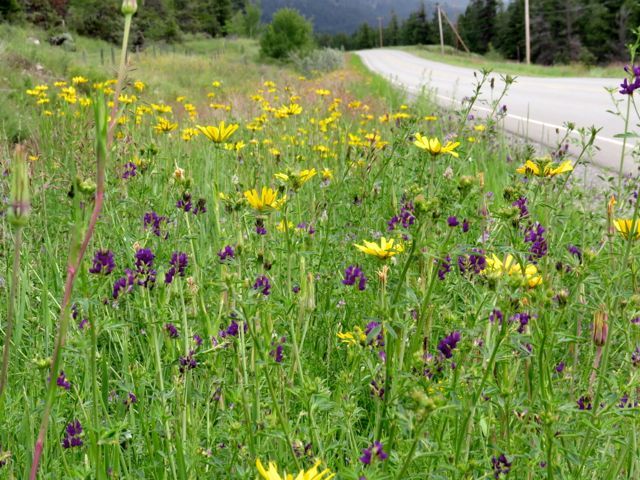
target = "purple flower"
x: 263, y: 285
x: 103, y: 262
x: 635, y: 357
x: 62, y: 381
x: 130, y: 170
x: 453, y: 221
x: 522, y: 319
x: 496, y: 314
x: 2, y: 462
x: 501, y: 466
x: 123, y: 284
x: 560, y: 367
x: 584, y: 403
x: 627, y: 87
x: 171, y: 330
x: 473, y: 263
x: 178, y: 262
x: 130, y: 399
x: 444, y: 267
x: 260, y: 228
x: 226, y: 252
x: 353, y: 273
x: 521, y: 203
x: 535, y: 235
x: 145, y: 274
x: 72, y: 435
x: 375, y: 450
x: 277, y: 352
x: 406, y: 217
x: 155, y: 222
x: 448, y: 344
x: 188, y: 363
x: 371, y: 329
x: 465, y: 225
x: 185, y: 202
x: 197, y: 339
x: 576, y: 252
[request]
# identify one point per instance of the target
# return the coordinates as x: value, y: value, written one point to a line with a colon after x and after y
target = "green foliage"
x: 288, y: 33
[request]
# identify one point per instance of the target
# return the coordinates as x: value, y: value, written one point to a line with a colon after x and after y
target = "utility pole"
x: 455, y: 30
x: 527, y: 31
x: 380, y: 29
x: 440, y: 27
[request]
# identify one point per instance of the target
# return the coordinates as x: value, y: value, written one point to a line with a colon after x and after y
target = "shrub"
x: 288, y: 33
x: 318, y: 61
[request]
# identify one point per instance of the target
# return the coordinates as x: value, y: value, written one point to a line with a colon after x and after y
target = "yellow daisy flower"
x: 220, y: 133
x: 434, y: 147
x: 266, y: 200
x: 623, y: 226
x: 311, y: 474
x: 544, y: 168
x: 385, y: 250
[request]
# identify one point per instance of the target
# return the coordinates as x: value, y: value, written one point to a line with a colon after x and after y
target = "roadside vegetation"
x: 218, y: 268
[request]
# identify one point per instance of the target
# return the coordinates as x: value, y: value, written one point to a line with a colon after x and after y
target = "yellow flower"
x: 189, y: 133
x: 282, y: 228
x: 311, y: 474
x: 353, y: 338
x: 327, y: 174
x: 139, y: 86
x: 164, y: 126
x: 216, y: 84
x: 510, y: 267
x: 385, y: 250
x: 268, y: 199
x: 623, y: 226
x: 127, y: 99
x: 434, y: 147
x: 323, y: 92
x: 220, y: 133
x: 297, y: 179
x: 544, y: 167
x: 239, y: 145
x: 78, y: 80
x: 430, y: 118
x: 480, y: 128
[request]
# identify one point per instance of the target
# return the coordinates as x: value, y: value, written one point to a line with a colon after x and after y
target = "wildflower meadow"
x: 302, y: 278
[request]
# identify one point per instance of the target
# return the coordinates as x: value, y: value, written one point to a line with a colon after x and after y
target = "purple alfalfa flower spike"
x: 171, y: 330
x: 103, y: 262
x: 444, y: 267
x: 179, y: 262
x: 521, y: 203
x: 201, y: 206
x: 226, y: 253
x: 453, y: 221
x: 72, y: 435
x: 62, y: 381
x: 496, y: 315
x: 501, y: 466
x: 535, y: 236
x: 184, y: 203
x: 130, y: 170
x: 188, y: 362
x: 146, y: 275
x: 352, y: 274
x: 262, y: 285
x: 123, y: 284
x: 375, y: 450
x: 155, y: 222
x: 130, y: 399
x: 448, y: 344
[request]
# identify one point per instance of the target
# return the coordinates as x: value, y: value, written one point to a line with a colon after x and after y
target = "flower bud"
x: 129, y: 7
x: 600, y: 327
x: 19, y: 205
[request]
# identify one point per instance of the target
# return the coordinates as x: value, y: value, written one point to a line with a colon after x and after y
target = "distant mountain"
x: 335, y: 16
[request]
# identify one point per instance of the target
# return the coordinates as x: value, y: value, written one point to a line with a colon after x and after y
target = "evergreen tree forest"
x: 562, y: 31
x: 159, y: 20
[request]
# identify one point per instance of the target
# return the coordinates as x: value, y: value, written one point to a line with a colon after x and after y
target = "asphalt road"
x: 537, y: 107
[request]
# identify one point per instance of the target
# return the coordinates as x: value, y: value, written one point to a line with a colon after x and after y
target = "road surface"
x: 537, y: 107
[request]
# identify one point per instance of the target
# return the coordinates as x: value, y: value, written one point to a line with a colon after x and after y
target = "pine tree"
x: 392, y: 32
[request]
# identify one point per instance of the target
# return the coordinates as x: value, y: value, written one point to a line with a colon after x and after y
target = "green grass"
x: 298, y: 373
x: 463, y: 59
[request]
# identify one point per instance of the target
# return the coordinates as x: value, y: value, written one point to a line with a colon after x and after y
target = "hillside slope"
x: 334, y: 16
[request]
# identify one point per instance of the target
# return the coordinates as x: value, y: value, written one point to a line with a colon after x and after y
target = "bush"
x: 288, y: 33
x: 318, y: 61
